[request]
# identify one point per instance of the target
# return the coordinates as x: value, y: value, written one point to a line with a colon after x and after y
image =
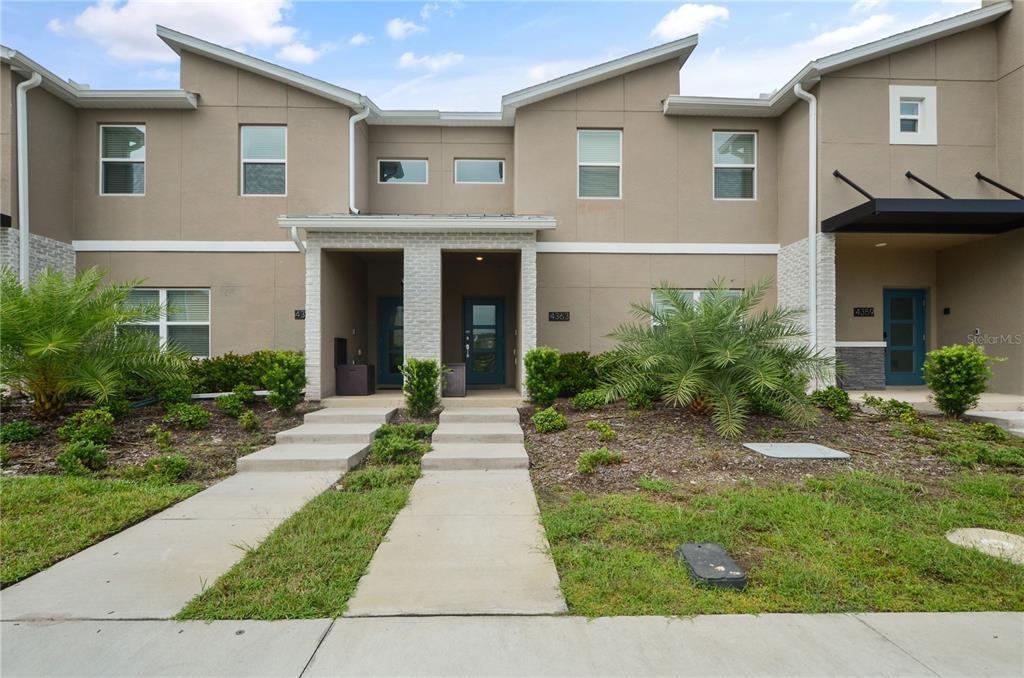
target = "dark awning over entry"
x: 925, y: 215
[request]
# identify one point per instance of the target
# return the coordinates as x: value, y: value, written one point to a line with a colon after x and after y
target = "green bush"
x: 81, y: 457
x: 409, y: 430
x: 957, y: 376
x: 95, y: 425
x: 161, y: 437
x: 542, y: 372
x: 588, y: 400
x: 119, y: 407
x: 231, y: 405
x: 226, y: 372
x: 285, y: 379
x: 989, y: 431
x: 591, y: 459
x: 247, y: 393
x: 248, y: 421
x: 421, y: 381
x: 377, y: 477
x: 549, y: 420
x: 175, y: 390
x: 642, y: 399
x: 192, y: 417
x: 605, y: 433
x: 892, y: 408
x: 835, y: 400
x: 971, y: 452
x: 577, y: 372
x: 18, y: 432
x: 170, y: 468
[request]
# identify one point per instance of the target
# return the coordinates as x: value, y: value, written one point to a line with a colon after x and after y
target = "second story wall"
x: 1010, y: 97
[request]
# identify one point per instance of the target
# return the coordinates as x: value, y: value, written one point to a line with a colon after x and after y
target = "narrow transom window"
x: 735, y: 165
x: 401, y: 171
x: 122, y: 159
x: 479, y: 171
x: 184, y: 317
x: 599, y: 163
x: 264, y: 160
x: 910, y: 115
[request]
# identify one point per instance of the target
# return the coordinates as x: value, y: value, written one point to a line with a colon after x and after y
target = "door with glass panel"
x: 390, y: 340
x: 484, y: 340
x: 905, y: 336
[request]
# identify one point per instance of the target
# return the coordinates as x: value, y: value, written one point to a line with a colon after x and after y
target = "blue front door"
x: 905, y: 320
x: 484, y: 340
x: 390, y: 340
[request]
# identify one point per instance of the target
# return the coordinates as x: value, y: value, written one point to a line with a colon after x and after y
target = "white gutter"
x: 23, y: 230
x: 352, y: 159
x: 812, y: 213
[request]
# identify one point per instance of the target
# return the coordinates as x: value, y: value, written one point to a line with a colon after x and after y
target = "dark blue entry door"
x: 390, y: 340
x: 905, y: 336
x: 484, y: 340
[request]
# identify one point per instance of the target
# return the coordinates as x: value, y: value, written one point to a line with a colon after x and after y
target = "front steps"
x: 477, y: 439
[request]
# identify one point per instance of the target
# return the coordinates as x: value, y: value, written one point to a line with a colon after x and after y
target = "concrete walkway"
x: 967, y: 644
x: 469, y: 541
x: 151, y: 570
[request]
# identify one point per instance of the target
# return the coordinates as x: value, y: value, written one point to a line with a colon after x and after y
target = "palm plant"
x: 59, y: 340
x: 719, y: 354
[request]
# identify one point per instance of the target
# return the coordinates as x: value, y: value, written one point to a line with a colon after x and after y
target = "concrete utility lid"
x: 1003, y: 545
x: 796, y: 451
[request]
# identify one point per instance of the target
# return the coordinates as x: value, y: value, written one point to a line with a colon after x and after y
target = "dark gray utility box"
x: 355, y: 380
x: 710, y: 564
x: 454, y: 384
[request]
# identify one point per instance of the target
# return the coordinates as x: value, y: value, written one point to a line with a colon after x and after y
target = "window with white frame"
x: 264, y: 159
x: 599, y: 163
x: 660, y: 304
x: 122, y: 159
x: 184, y: 317
x: 472, y: 171
x: 912, y: 119
x: 735, y: 165
x: 402, y: 171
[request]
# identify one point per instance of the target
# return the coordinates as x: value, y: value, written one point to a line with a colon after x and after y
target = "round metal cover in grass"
x: 1005, y: 545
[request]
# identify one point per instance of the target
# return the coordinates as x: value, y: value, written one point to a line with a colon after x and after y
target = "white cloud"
x: 428, y: 9
x: 359, y: 39
x: 433, y: 63
x: 549, y: 70
x: 839, y: 39
x: 127, y: 31
x: 861, y: 6
x: 301, y: 53
x: 400, y: 29
x: 688, y: 19
x: 57, y: 26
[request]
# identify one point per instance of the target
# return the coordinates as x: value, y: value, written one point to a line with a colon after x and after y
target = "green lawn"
x: 46, y: 518
x: 309, y: 566
x: 853, y: 542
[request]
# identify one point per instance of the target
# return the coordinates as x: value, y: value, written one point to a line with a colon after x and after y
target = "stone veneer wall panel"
x: 43, y: 253
x: 792, y: 285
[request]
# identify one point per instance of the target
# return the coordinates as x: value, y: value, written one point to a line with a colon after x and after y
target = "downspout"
x: 812, y: 213
x: 352, y: 157
x: 21, y: 99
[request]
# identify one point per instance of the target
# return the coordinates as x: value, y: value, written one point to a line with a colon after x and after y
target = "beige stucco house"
x: 275, y: 210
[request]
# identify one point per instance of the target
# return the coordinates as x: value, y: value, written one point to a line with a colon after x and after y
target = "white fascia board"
x: 440, y: 118
x: 419, y: 224
x: 678, y: 49
x: 656, y: 248
x: 183, y: 246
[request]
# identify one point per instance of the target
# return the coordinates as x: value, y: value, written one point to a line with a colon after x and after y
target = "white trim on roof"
x: 183, y: 246
x: 656, y: 248
x: 442, y: 118
x: 420, y: 223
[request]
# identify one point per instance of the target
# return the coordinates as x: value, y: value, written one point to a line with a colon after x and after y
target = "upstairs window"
x: 599, y: 163
x: 735, y: 165
x: 184, y: 317
x: 912, y: 118
x: 122, y: 159
x: 392, y: 171
x: 264, y: 160
x: 910, y: 115
x: 479, y: 171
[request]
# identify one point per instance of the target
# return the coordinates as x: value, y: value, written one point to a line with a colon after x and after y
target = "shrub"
x: 719, y: 353
x: 577, y: 372
x: 989, y: 431
x: 175, y: 390
x: 117, y: 406
x: 421, y: 381
x: 605, y: 433
x: 231, y: 405
x: 642, y: 399
x: 18, y: 432
x: 285, y: 380
x: 192, y: 417
x: 588, y: 400
x: 376, y: 477
x: 247, y: 393
x: 892, y: 408
x: 591, y: 459
x: 248, y: 421
x: 835, y: 400
x: 162, y: 437
x: 82, y: 456
x: 957, y: 376
x: 95, y: 425
x: 971, y: 452
x: 542, y: 383
x: 549, y: 420
x: 410, y: 430
x: 171, y: 468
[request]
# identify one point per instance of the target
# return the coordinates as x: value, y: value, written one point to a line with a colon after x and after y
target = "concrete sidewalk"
x: 966, y: 644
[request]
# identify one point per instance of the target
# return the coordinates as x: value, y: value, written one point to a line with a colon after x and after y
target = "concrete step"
x: 328, y: 433
x: 475, y: 457
x: 304, y: 457
x: 480, y: 415
x: 506, y: 432
x: 474, y: 400
x: 351, y: 415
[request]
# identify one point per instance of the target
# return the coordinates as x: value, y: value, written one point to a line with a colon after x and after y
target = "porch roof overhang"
x: 926, y: 215
x: 419, y: 223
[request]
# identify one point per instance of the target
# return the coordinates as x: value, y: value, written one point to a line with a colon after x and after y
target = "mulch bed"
x: 682, y: 446
x: 212, y: 450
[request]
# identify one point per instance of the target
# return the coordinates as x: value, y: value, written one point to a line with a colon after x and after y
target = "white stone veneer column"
x: 792, y: 286
x: 421, y: 300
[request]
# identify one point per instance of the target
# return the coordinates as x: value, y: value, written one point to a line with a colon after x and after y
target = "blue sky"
x: 460, y: 55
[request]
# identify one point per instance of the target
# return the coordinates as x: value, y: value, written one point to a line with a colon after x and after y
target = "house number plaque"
x: 558, y: 316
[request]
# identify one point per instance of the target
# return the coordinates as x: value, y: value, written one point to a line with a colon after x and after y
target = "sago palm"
x: 59, y: 340
x: 719, y: 353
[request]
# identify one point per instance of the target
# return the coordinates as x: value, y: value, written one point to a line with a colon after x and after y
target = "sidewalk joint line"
x: 893, y: 643
x: 317, y: 648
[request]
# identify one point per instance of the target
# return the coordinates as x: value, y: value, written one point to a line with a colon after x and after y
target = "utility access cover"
x: 796, y: 451
x: 710, y: 564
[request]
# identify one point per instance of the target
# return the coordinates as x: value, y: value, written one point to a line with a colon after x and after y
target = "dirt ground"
x: 682, y: 447
x: 212, y: 450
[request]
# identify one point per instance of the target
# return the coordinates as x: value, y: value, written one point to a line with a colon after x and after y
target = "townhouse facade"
x: 880, y: 188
